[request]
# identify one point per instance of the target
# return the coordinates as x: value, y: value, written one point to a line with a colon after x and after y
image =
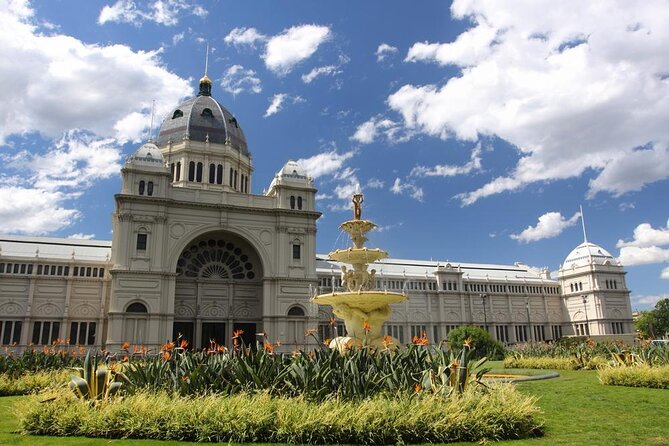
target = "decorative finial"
x: 153, y: 113
x: 357, y: 203
x: 205, y: 82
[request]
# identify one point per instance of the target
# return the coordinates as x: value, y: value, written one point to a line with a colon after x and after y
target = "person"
x: 357, y: 206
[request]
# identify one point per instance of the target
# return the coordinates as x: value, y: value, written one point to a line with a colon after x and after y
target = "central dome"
x: 202, y: 119
x: 587, y: 253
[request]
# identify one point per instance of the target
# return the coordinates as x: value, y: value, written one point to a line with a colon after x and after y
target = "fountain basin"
x: 358, y: 255
x: 364, y: 301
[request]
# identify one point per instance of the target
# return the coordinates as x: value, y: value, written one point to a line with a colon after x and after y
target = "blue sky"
x: 475, y: 129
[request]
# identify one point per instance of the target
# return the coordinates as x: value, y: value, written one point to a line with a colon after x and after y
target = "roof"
x: 54, y: 248
x: 202, y: 119
x: 426, y: 269
x: 587, y: 253
x: 147, y: 155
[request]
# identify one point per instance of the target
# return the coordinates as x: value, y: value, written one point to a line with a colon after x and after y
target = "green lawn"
x: 578, y: 411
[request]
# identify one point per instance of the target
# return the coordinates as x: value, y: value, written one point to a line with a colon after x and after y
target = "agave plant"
x: 96, y: 383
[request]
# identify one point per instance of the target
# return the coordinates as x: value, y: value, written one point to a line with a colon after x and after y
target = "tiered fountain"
x: 363, y: 308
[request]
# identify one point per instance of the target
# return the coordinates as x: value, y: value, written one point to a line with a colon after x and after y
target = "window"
x: 199, y: 173
x: 502, y: 332
x: 191, y: 171
x: 395, y: 331
x: 297, y: 251
x: 539, y: 333
x: 556, y: 331
x: 521, y: 333
x: 299, y: 203
x: 82, y: 333
x: 212, y: 173
x: 177, y: 114
x: 327, y: 331
x: 11, y: 332
x: 45, y: 332
x: 418, y: 330
x: 235, y: 185
x: 135, y: 323
x: 231, y: 177
x: 207, y: 113
x: 292, y: 202
x: 136, y: 307
x: 246, y: 185
x: 295, y: 311
x: 219, y: 174
x: 149, y: 188
x: 172, y: 170
x: 141, y: 242
x: 141, y: 187
x: 178, y: 173
x: 617, y: 328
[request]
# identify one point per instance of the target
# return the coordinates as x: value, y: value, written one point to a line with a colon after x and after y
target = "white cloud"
x: 665, y: 273
x: 24, y: 210
x: 278, y: 101
x: 330, y: 70
x: 178, y: 37
x: 575, y: 90
x: 636, y: 255
x: 550, y: 225
x: 410, y: 189
x: 375, y: 183
x: 645, y: 236
x: 81, y: 236
x: 292, y: 46
x: 327, y: 163
x: 63, y: 83
x: 446, y: 170
x: 384, y: 50
x: 244, y: 36
x: 648, y: 301
x: 368, y: 131
x: 238, y: 80
x: 162, y: 12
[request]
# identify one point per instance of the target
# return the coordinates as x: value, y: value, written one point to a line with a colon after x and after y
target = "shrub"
x: 517, y: 362
x: 498, y: 413
x: 483, y: 343
x: 31, y: 382
x: 640, y: 376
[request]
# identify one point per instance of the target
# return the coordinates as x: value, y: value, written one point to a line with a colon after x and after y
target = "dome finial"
x: 205, y: 82
x: 585, y: 235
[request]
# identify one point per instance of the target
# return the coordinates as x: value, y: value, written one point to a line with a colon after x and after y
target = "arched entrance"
x: 218, y: 290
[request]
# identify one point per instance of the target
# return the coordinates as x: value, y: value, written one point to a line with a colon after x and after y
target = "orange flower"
x: 125, y: 359
x: 125, y: 346
x: 235, y: 342
x: 237, y: 333
x: 166, y: 356
x: 327, y: 342
x: 417, y: 388
x: 268, y: 347
x: 183, y: 344
x: 421, y: 341
x: 366, y: 327
x: 168, y: 346
x: 467, y: 342
x: 455, y: 364
x: 185, y: 378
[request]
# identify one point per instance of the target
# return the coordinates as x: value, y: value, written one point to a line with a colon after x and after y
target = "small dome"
x: 587, y: 253
x: 148, y: 155
x: 293, y: 169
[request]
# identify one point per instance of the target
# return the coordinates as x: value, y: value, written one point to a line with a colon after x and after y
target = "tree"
x: 645, y: 324
x: 661, y: 318
x: 482, y: 342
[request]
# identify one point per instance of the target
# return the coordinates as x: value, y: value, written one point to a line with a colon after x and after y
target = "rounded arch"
x: 296, y: 311
x: 208, y: 232
x: 136, y: 307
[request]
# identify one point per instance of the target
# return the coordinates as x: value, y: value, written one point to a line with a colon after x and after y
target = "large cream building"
x: 195, y: 253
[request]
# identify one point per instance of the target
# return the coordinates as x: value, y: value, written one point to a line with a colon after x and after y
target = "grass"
x: 577, y: 409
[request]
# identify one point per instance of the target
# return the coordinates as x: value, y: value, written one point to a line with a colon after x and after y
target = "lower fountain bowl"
x: 362, y: 300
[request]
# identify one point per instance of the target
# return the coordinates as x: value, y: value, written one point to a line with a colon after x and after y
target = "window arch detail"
x: 215, y: 259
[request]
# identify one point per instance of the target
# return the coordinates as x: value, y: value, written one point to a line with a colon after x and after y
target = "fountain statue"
x: 363, y: 308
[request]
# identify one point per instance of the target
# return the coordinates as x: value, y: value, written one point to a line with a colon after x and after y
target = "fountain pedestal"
x: 363, y: 308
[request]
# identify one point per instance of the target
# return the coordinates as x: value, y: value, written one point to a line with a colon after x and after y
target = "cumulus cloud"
x: 162, y: 12
x: 646, y: 247
x: 63, y: 83
x: 647, y: 301
x: 447, y: 170
x: 550, y: 225
x: 25, y: 210
x: 583, y: 88
x: 329, y: 70
x: 278, y: 101
x: 665, y: 273
x: 407, y: 188
x: 244, y: 37
x: 326, y: 163
x: 237, y: 80
x: 292, y: 46
x: 368, y: 131
x: 384, y: 50
x: 375, y: 183
x: 81, y: 236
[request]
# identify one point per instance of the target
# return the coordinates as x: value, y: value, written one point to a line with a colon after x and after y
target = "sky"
x: 475, y: 128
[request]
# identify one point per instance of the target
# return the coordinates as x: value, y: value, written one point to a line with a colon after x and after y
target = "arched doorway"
x: 218, y: 291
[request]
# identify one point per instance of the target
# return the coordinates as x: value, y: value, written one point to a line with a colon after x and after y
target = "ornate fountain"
x: 363, y: 308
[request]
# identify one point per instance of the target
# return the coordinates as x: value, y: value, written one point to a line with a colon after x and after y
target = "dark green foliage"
x: 482, y: 342
x: 30, y: 361
x: 358, y: 373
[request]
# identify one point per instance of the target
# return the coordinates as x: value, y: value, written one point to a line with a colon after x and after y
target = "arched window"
x: 219, y: 174
x: 231, y: 176
x: 299, y: 203
x: 142, y: 240
x: 296, y: 311
x: 191, y: 171
x: 212, y: 173
x: 149, y: 188
x: 207, y: 113
x: 178, y: 174
x: 177, y: 114
x: 246, y: 185
x: 136, y: 307
x: 141, y: 187
x: 235, y: 185
x: 172, y: 170
x: 199, y: 172
x: 292, y: 202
